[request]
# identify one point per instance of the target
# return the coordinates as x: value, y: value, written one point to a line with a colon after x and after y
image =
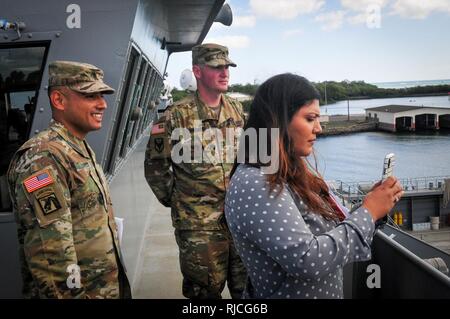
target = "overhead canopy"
x: 189, y: 22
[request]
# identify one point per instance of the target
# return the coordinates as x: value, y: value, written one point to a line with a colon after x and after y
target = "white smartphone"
x: 388, y: 166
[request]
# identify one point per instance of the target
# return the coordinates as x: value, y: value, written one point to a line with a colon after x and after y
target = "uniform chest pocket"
x: 191, y: 155
x: 89, y: 201
x: 80, y: 174
x: 200, y: 170
x: 214, y: 148
x: 86, y: 195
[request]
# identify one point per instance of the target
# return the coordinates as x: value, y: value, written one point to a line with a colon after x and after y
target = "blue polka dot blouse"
x: 290, y: 252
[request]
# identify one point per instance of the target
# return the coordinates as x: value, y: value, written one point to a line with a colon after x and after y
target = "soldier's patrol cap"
x: 211, y: 54
x: 79, y: 77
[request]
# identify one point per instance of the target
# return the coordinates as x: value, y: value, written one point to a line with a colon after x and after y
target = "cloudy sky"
x: 370, y: 40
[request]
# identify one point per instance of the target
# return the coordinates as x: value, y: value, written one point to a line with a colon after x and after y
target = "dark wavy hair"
x: 275, y: 103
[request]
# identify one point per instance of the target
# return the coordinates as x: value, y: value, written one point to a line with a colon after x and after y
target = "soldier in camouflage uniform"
x: 67, y: 234
x: 195, y: 191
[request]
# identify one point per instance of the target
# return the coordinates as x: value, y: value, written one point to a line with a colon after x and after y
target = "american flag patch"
x: 38, y: 181
x: 158, y: 128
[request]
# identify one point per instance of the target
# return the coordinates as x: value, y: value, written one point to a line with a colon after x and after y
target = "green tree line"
x: 339, y: 91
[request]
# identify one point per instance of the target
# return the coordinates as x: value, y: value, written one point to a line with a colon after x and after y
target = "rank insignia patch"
x: 38, y: 181
x: 49, y: 202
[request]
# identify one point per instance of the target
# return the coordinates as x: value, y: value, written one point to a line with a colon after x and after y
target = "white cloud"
x: 231, y: 41
x: 362, y: 5
x: 364, y: 9
x: 219, y: 27
x: 244, y: 21
x: 331, y: 20
x: 414, y: 9
x: 285, y: 9
x: 358, y: 19
x: 292, y: 33
x: 419, y: 9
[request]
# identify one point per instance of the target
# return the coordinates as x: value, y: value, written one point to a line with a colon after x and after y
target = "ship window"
x: 21, y: 69
x: 134, y: 107
x: 144, y: 103
x: 120, y: 119
x: 141, y: 105
x: 149, y: 109
x: 140, y: 85
x: 152, y: 96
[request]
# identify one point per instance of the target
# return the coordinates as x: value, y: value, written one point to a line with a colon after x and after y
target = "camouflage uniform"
x: 66, y: 229
x: 196, y: 191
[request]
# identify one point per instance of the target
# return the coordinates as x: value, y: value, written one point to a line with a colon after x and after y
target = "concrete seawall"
x: 339, y: 125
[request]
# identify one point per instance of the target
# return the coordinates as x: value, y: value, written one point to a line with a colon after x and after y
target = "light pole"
x: 347, y: 82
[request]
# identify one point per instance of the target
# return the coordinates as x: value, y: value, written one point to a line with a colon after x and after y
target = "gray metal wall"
x: 104, y: 33
x: 148, y: 36
x: 10, y: 277
x: 424, y: 207
x: 444, y: 212
x: 418, y: 209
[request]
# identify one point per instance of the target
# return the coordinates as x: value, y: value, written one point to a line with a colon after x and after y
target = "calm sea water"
x: 359, y: 157
x: 359, y: 106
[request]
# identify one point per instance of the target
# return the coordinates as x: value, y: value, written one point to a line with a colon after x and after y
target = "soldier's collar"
x: 225, y: 113
x: 206, y: 113
x: 77, y: 143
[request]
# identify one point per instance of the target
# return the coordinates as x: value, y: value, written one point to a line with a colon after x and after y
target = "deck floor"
x: 159, y: 275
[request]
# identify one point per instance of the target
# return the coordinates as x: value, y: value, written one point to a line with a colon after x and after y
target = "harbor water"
x: 359, y: 156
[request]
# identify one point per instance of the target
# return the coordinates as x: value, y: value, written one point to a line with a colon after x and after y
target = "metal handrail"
x: 349, y: 194
x: 423, y: 183
x: 409, y: 184
x: 352, y: 194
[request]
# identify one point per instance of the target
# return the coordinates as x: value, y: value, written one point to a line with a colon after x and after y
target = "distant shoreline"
x: 407, y: 84
x: 389, y: 97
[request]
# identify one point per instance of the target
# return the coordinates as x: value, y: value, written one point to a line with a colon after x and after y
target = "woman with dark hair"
x: 290, y: 233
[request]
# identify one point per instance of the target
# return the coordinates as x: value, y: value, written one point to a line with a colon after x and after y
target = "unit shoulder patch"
x: 45, y: 195
x: 48, y: 201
